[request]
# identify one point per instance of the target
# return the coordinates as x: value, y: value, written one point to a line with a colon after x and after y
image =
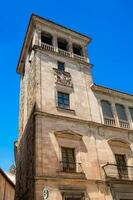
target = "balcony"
x: 63, y: 78
x: 62, y: 52
x: 109, y: 121
x: 70, y: 167
x: 80, y: 58
x: 47, y: 47
x: 71, y: 170
x: 124, y: 124
x: 115, y: 172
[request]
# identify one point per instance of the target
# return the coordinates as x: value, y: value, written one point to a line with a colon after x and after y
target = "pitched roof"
x: 7, y: 178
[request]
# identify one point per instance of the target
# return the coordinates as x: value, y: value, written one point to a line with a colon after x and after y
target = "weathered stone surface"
x: 44, y: 129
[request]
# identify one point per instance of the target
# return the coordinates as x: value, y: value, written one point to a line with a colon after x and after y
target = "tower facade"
x: 75, y: 138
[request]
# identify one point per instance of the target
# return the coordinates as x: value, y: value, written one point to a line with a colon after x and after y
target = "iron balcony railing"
x: 70, y: 167
x: 113, y: 171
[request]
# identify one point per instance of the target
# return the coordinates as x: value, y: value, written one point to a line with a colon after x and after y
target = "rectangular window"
x: 63, y: 100
x: 61, y: 66
x: 106, y: 108
x: 121, y: 165
x: 121, y: 112
x: 68, y: 159
x: 131, y: 112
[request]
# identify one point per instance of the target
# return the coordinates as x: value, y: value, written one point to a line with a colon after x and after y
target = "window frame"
x: 131, y: 114
x: 63, y: 106
x: 58, y: 64
x: 68, y: 165
x: 110, y: 105
x: 118, y: 114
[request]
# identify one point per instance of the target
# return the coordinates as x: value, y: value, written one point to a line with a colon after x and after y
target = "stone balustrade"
x: 63, y: 52
x: 124, y: 124
x: 109, y: 121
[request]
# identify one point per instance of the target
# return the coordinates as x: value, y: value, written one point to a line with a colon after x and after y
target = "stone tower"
x: 63, y: 132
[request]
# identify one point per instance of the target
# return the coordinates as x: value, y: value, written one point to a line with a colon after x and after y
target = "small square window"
x: 63, y: 100
x: 61, y: 66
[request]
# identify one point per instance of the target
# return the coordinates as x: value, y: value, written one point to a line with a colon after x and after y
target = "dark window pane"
x: 77, y: 49
x: 131, y: 112
x: 63, y: 100
x: 121, y: 112
x: 60, y: 101
x: 62, y: 44
x: 106, y: 108
x: 46, y: 38
x: 61, y: 66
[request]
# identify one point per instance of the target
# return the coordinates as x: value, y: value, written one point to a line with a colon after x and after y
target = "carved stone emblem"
x: 63, y: 78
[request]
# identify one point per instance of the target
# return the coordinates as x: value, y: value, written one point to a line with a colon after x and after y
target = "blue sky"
x: 108, y: 23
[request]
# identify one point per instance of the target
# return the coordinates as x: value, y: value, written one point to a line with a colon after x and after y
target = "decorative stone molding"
x: 68, y: 134
x: 130, y: 136
x: 63, y: 78
x: 109, y: 91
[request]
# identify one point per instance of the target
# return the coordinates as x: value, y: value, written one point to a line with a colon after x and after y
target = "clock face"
x: 45, y: 193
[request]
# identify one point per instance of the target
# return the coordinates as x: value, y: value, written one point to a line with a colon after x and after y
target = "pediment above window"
x: 68, y: 134
x: 118, y: 143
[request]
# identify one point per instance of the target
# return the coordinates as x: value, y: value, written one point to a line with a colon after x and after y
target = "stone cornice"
x: 57, y: 177
x: 32, y: 24
x: 59, y: 27
x: 111, y: 92
x: 90, y: 123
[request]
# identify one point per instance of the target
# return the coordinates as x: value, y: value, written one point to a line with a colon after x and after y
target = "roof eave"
x: 32, y: 19
x: 99, y: 88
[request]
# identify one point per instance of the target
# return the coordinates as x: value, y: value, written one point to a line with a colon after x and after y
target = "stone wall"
x: 92, y: 149
x: 25, y: 163
x: 27, y: 93
x: 82, y: 99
